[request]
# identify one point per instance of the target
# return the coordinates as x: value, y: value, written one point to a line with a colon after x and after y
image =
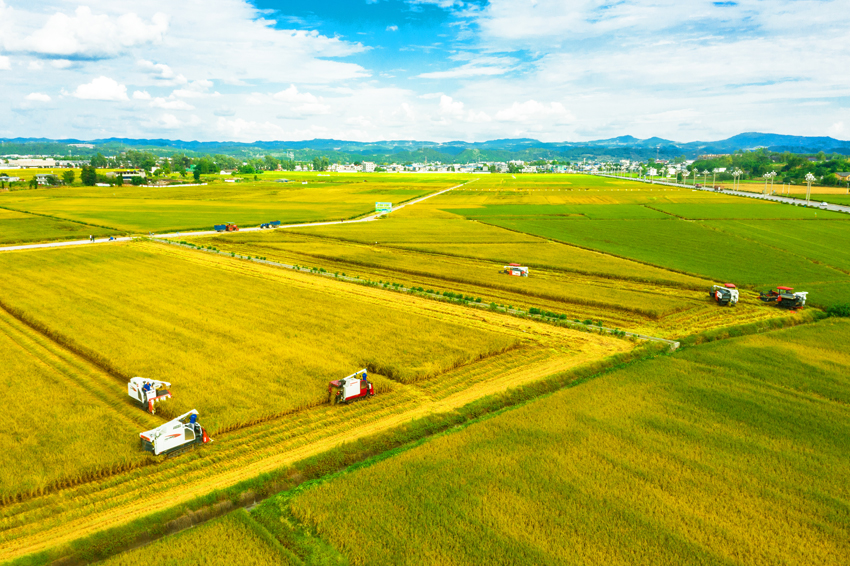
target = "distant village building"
x: 30, y: 163
x: 127, y: 176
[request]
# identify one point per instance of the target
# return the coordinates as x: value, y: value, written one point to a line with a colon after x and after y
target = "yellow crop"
x: 235, y: 539
x: 239, y: 343
x: 731, y: 453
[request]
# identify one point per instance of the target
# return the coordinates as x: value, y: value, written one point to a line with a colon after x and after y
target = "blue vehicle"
x: 273, y: 224
x: 220, y: 227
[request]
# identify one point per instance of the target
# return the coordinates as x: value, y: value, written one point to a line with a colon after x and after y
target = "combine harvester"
x: 724, y: 295
x: 515, y: 269
x: 351, y: 388
x: 147, y: 392
x: 175, y: 437
x: 784, y: 297
x: 229, y: 227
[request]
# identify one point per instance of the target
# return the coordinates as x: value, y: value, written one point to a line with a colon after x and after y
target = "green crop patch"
x: 721, y: 454
x: 592, y: 211
x: 746, y: 210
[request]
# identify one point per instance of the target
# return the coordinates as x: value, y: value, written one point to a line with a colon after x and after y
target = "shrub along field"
x: 730, y: 453
x: 238, y: 344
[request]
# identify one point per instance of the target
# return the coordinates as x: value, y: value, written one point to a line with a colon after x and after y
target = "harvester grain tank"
x: 785, y: 297
x: 352, y: 388
x: 148, y: 392
x: 515, y: 269
x: 176, y: 436
x: 724, y: 295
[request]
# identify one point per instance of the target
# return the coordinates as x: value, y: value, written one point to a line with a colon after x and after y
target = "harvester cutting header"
x: 352, y: 388
x: 515, y: 269
x: 724, y: 295
x: 147, y: 392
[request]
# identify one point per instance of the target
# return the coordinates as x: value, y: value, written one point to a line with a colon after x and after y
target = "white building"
x: 368, y: 167
x: 25, y: 163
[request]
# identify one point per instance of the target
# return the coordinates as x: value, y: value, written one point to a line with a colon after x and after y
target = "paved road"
x: 214, y: 233
x: 746, y: 194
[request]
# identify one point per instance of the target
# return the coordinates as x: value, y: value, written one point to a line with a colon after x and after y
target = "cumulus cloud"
x: 38, y: 97
x: 5, y: 63
x: 240, y: 129
x: 86, y: 35
x: 101, y: 88
x: 302, y: 103
x: 141, y: 95
x: 454, y: 109
x: 161, y: 71
x: 469, y: 70
x: 532, y: 111
x: 171, y: 104
x: 392, y: 28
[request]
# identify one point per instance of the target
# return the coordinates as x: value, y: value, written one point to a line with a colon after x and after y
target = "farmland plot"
x: 239, y: 345
x: 18, y: 227
x: 635, y: 302
x: 719, y: 455
x: 64, y: 423
x: 59, y: 517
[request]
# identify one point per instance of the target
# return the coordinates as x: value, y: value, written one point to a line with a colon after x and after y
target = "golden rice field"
x: 581, y: 284
x: 731, y: 453
x: 64, y: 421
x: 239, y: 342
x: 233, y: 539
x: 61, y: 516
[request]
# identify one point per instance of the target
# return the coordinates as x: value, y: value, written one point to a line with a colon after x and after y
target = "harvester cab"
x: 148, y: 392
x: 352, y: 388
x: 175, y: 436
x: 515, y: 269
x: 785, y: 297
x: 724, y: 295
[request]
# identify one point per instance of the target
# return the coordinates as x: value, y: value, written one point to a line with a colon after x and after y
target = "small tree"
x: 88, y: 175
x: 68, y: 177
x: 196, y: 174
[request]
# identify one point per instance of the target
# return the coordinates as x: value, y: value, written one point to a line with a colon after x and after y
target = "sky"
x: 437, y: 70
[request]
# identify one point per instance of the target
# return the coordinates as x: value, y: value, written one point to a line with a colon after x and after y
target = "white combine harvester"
x: 176, y: 436
x: 148, y: 392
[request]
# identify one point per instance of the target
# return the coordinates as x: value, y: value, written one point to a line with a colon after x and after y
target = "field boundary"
x: 673, y: 344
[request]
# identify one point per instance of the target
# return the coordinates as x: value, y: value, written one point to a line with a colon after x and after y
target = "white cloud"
x: 141, y: 95
x: 38, y: 97
x: 88, y: 35
x: 392, y: 28
x: 466, y: 71
x: 837, y: 129
x: 162, y: 72
x: 101, y: 88
x: 239, y: 129
x: 35, y: 65
x: 195, y: 89
x: 532, y: 111
x: 302, y: 103
x: 5, y: 63
x: 61, y: 63
x: 166, y: 122
x: 171, y: 104
x: 455, y: 110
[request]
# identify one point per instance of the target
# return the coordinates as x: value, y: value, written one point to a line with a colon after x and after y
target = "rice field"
x: 731, y: 453
x: 61, y: 516
x: 240, y: 343
x: 18, y: 227
x: 64, y: 423
x: 250, y: 203
x: 233, y: 539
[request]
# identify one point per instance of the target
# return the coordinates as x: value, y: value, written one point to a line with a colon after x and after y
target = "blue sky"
x: 439, y: 70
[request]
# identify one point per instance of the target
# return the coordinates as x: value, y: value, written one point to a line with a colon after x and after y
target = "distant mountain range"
x: 457, y: 151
